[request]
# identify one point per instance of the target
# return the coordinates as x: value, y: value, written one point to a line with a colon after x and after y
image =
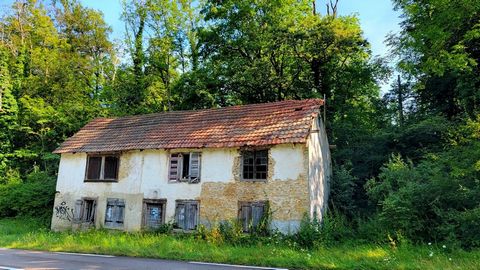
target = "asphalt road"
x: 15, y: 259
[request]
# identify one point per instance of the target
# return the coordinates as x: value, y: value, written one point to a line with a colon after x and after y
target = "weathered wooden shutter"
x: 194, y: 169
x: 246, y: 214
x: 110, y: 213
x: 154, y: 215
x: 191, y: 216
x: 257, y: 213
x: 180, y: 215
x: 78, y: 211
x: 145, y: 215
x: 91, y: 218
x: 120, y: 213
x: 175, y: 168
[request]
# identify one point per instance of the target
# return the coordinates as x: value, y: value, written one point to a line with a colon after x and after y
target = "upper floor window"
x: 255, y: 165
x: 184, y: 167
x: 102, y: 168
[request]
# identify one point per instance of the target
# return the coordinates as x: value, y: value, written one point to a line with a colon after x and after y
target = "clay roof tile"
x: 244, y: 125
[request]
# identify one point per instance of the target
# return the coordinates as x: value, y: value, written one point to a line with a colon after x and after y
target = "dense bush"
x: 437, y: 199
x: 32, y: 197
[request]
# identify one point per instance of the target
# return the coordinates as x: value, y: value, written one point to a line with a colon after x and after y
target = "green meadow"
x: 33, y: 235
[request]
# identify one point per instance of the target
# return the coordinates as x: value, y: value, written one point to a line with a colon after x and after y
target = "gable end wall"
x: 319, y: 169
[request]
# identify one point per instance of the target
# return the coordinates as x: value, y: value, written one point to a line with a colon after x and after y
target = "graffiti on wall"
x: 64, y: 212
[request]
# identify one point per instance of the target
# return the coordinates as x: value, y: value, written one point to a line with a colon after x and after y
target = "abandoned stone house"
x: 196, y: 167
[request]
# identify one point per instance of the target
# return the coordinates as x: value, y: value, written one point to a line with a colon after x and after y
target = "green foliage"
x: 434, y: 200
x: 438, y: 44
x: 343, y: 190
x: 165, y: 228
x: 32, y: 198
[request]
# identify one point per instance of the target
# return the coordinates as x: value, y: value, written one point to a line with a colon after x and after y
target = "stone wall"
x: 288, y: 198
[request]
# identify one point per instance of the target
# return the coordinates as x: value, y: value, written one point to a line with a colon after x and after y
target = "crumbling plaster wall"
x: 143, y: 174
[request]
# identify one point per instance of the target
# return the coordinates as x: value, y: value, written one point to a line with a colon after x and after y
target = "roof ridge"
x: 246, y: 106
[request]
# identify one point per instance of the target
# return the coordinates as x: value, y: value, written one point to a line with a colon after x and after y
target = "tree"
x: 439, y: 45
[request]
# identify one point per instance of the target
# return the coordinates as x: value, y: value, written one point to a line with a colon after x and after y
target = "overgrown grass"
x: 31, y: 234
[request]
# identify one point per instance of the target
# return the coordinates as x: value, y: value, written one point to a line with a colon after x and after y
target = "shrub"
x: 165, y: 228
x: 436, y: 200
x: 333, y: 229
x: 34, y: 197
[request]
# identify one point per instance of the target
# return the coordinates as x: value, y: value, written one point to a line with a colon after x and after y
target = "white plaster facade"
x: 144, y: 175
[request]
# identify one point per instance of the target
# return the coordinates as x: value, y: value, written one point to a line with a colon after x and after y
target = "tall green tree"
x: 439, y: 45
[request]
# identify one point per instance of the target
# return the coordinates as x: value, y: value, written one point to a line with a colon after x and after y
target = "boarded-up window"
x: 84, y: 211
x: 184, y: 167
x: 115, y: 212
x: 255, y: 164
x: 186, y: 215
x: 251, y: 214
x: 153, y: 213
x: 102, y: 168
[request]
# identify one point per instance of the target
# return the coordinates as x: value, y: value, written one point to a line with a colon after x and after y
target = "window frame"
x: 242, y: 164
x: 180, y: 177
x: 115, y: 224
x: 146, y: 202
x: 197, y: 214
x: 102, y: 167
x: 80, y: 218
x: 265, y: 204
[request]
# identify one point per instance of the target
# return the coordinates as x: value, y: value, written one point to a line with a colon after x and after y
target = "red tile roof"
x: 244, y: 125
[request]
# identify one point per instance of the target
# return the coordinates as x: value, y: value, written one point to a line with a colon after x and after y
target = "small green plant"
x: 165, y: 228
x: 309, y: 233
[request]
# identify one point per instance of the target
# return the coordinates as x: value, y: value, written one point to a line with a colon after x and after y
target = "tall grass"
x: 26, y: 234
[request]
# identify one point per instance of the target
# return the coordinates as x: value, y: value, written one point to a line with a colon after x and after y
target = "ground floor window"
x: 186, y: 214
x: 250, y: 214
x: 84, y: 211
x: 115, y: 212
x: 153, y: 213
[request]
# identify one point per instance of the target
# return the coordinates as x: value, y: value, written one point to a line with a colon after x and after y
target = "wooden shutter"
x: 180, y: 215
x: 246, y: 214
x: 78, y: 211
x: 194, y: 169
x: 175, y: 167
x: 120, y: 212
x: 191, y: 216
x: 257, y: 213
x: 110, y: 213
x: 91, y: 218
